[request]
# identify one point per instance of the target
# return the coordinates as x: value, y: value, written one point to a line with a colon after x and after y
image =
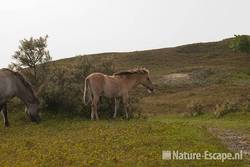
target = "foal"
x: 117, y: 85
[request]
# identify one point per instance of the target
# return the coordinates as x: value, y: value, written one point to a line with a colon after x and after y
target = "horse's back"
x: 104, y: 85
x: 4, y: 73
x: 7, y: 84
x: 96, y: 77
x: 6, y: 78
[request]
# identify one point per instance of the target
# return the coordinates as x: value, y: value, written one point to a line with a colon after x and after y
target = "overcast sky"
x: 92, y: 26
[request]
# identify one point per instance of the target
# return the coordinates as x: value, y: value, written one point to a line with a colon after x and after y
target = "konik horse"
x: 13, y: 84
x: 117, y: 85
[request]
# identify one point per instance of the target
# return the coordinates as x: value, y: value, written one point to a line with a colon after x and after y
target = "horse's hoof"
x: 6, y: 125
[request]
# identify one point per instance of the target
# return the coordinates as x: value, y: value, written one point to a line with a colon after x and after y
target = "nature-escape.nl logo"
x: 206, y: 155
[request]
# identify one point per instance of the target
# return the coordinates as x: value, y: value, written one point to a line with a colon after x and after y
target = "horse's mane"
x: 132, y: 71
x: 26, y: 83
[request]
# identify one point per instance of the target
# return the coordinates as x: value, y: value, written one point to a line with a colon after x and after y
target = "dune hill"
x: 205, y: 73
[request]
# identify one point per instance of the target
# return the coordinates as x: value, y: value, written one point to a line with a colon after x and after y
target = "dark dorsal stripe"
x: 24, y: 81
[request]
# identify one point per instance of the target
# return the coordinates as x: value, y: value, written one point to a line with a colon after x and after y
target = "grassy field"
x: 62, y: 141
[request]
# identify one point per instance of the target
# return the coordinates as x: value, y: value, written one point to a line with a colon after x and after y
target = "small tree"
x: 31, y: 55
x: 241, y: 43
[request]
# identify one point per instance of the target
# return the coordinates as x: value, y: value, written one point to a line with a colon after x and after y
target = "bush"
x: 106, y: 108
x: 63, y: 87
x: 195, y: 108
x: 225, y: 108
x: 241, y: 43
x: 62, y: 93
x: 15, y: 105
x: 246, y: 105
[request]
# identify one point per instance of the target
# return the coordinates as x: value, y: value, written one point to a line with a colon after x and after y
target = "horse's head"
x: 141, y: 75
x: 146, y: 82
x: 32, y: 112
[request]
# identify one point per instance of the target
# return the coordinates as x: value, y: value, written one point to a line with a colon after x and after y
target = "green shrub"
x: 195, y: 108
x: 62, y: 92
x: 241, y: 43
x: 15, y: 105
x: 246, y: 106
x: 106, y: 107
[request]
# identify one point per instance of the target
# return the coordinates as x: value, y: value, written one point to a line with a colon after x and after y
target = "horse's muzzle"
x: 36, y: 118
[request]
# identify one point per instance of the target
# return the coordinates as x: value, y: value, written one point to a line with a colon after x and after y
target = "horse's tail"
x: 86, y: 91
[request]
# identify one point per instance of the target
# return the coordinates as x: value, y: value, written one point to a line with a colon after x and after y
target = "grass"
x: 61, y: 141
x: 238, y: 121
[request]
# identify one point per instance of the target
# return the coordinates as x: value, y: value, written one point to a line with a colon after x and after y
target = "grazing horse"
x: 117, y: 85
x: 13, y: 84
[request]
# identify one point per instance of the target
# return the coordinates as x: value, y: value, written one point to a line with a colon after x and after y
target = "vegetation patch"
x: 225, y: 108
x: 195, y: 108
x: 62, y: 141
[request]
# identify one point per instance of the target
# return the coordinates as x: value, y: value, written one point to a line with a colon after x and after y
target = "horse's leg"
x: 115, y: 112
x: 94, y: 112
x: 5, y: 115
x: 1, y: 107
x: 125, y: 103
x: 93, y: 108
